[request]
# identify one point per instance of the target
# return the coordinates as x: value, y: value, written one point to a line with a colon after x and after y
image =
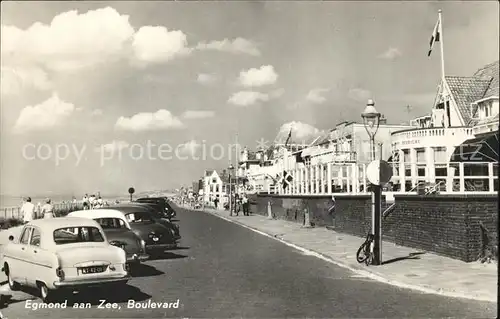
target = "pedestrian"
x: 86, y: 202
x: 48, y: 209
x: 100, y: 202
x: 216, y: 202
x: 92, y: 201
x: 246, y: 204
x: 28, y: 210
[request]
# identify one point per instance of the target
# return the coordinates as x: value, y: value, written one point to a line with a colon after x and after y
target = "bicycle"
x: 365, y: 251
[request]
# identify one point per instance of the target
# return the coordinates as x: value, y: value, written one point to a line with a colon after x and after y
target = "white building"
x: 456, y: 140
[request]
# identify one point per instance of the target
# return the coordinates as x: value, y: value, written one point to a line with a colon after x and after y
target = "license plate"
x: 93, y: 270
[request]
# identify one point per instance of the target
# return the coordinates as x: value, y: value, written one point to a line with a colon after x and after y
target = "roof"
x: 129, y: 208
x: 63, y: 222
x: 97, y: 213
x: 466, y: 90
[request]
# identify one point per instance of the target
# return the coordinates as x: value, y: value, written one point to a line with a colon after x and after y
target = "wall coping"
x: 447, y: 197
x: 326, y: 196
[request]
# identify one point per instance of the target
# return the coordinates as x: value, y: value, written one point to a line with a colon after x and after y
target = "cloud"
x: 301, y: 132
x: 391, y: 54
x: 197, y: 114
x: 360, y: 95
x: 189, y: 147
x: 277, y: 93
x: 254, y: 77
x: 160, y: 120
x: 204, y: 78
x: 316, y: 96
x: 49, y: 114
x: 96, y: 112
x: 16, y: 80
x: 246, y: 98
x: 238, y: 45
x: 114, y: 146
x: 71, y: 40
x: 157, y: 44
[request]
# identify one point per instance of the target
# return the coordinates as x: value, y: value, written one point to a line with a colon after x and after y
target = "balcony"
x: 431, y: 137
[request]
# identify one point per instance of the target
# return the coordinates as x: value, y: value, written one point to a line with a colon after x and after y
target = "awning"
x: 478, y: 149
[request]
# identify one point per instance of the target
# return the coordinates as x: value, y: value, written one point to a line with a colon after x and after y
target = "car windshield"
x: 82, y: 234
x: 139, y: 217
x: 111, y: 223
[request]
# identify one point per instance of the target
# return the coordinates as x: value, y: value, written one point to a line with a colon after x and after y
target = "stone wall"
x: 444, y: 224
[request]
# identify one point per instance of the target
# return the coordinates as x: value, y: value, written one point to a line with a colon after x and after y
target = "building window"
x: 440, y: 155
x: 307, y: 161
x: 217, y: 188
x: 421, y: 156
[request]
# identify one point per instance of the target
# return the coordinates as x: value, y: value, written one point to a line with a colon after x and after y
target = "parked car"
x: 152, y: 230
x: 155, y: 210
x: 118, y: 232
x: 159, y: 200
x: 63, y: 254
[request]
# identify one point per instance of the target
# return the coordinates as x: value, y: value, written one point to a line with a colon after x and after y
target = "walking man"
x: 245, y: 204
x: 28, y: 210
x: 48, y: 209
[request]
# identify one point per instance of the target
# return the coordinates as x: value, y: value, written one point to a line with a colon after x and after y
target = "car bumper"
x: 161, y: 247
x: 137, y: 258
x: 86, y: 283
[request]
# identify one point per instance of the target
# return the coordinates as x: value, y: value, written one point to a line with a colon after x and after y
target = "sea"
x: 7, y: 201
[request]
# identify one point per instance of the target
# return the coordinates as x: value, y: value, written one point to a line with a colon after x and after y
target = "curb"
x: 358, y: 269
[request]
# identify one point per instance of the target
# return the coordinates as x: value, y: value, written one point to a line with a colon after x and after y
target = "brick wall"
x: 444, y: 224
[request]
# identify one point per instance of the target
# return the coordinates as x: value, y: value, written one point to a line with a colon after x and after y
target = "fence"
x: 451, y: 177
x: 59, y: 208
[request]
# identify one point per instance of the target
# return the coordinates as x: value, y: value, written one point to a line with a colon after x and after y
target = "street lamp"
x: 230, y: 168
x: 371, y: 121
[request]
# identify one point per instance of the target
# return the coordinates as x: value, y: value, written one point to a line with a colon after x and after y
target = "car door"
x: 20, y: 256
x: 39, y: 259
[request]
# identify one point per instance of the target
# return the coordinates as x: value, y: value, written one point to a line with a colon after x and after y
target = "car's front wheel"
x: 13, y: 285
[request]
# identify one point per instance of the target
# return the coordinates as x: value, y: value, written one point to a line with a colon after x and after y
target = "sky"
x: 102, y: 96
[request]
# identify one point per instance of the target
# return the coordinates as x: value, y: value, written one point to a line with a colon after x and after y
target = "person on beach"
x: 99, y: 202
x: 92, y: 201
x: 28, y: 210
x: 85, y: 201
x: 48, y: 209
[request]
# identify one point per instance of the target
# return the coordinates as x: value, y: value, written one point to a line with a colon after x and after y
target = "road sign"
x: 131, y: 190
x: 379, y: 172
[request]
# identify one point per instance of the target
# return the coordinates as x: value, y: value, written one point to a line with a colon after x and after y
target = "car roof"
x: 97, y: 213
x: 62, y: 222
x: 131, y: 208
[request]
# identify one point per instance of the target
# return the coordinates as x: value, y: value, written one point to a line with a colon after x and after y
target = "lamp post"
x: 230, y: 168
x: 371, y: 121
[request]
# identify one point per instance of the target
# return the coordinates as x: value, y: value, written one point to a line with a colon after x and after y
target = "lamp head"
x: 371, y: 118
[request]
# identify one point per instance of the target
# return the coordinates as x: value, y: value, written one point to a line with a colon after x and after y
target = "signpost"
x: 131, y: 191
x: 379, y: 173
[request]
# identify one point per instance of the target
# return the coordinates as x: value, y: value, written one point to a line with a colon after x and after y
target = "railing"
x: 432, y: 136
x: 452, y: 177
x: 15, y: 211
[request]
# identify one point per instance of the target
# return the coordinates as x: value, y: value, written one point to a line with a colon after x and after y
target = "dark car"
x: 117, y: 232
x: 157, y: 236
x: 161, y: 201
x: 157, y: 212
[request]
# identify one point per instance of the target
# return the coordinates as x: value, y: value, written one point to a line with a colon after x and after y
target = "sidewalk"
x: 421, y: 271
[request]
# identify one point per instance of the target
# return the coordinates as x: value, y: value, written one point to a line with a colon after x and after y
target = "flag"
x: 436, y: 34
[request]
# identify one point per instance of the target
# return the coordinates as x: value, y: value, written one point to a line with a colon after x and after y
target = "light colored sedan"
x: 63, y: 254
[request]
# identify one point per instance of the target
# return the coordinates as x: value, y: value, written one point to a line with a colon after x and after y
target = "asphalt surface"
x: 225, y: 270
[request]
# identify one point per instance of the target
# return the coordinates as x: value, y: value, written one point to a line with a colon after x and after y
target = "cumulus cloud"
x: 114, y: 146
x: 238, y: 45
x: 158, y: 44
x: 301, y: 132
x: 49, y: 114
x: 70, y: 41
x: 197, y: 114
x: 246, y: 98
x: 204, y: 78
x: 96, y: 112
x: 360, y: 95
x: 265, y: 75
x: 316, y: 96
x: 188, y: 148
x: 160, y: 120
x: 15, y: 80
x: 391, y: 54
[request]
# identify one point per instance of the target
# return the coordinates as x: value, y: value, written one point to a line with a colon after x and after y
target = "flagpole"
x: 441, y: 43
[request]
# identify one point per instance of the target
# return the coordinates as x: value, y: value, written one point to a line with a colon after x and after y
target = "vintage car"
x: 63, y: 254
x: 155, y: 210
x: 161, y: 201
x: 152, y: 230
x: 118, y: 232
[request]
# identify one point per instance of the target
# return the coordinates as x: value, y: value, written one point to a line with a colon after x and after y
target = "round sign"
x: 379, y: 172
x: 131, y: 190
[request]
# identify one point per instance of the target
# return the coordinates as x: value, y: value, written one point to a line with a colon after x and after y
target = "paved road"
x: 228, y: 271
